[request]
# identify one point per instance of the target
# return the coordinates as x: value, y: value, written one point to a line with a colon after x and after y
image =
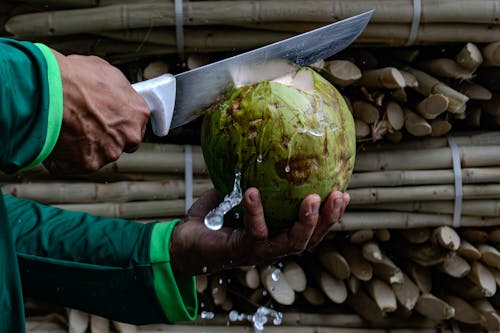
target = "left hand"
x: 195, y: 249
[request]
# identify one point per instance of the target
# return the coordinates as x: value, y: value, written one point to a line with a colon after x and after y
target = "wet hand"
x: 195, y: 249
x: 103, y: 116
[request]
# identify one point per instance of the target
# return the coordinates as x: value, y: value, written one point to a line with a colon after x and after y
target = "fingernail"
x: 337, y: 204
x: 254, y: 196
x: 337, y: 194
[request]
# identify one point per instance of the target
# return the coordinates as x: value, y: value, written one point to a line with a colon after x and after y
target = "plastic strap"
x: 179, y: 27
x: 457, y: 171
x: 454, y: 327
x: 188, y: 177
x: 415, y: 22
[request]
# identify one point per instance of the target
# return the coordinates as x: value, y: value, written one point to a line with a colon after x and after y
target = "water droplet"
x: 236, y: 215
x: 275, y: 275
x: 287, y: 169
x: 264, y: 293
x: 215, y: 291
x: 207, y: 315
x: 259, y: 158
x: 221, y: 281
x: 204, y: 269
x: 215, y: 218
x: 233, y: 315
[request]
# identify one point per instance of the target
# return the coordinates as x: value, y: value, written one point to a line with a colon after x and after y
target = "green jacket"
x: 111, y: 267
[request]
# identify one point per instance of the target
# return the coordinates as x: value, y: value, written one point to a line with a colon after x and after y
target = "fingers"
x: 208, y: 201
x: 301, y: 232
x: 255, y: 223
x: 333, y: 209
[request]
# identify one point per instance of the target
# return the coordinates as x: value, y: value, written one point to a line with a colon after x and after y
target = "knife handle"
x: 159, y: 94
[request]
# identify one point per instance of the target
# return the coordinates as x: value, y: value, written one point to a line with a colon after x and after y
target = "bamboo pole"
x: 334, y: 262
x: 332, y: 287
x: 295, y: 275
x: 491, y: 317
x: 383, y: 295
x: 277, y: 285
x: 421, y: 276
x: 489, y: 255
x: 432, y: 106
x: 438, y: 158
x: 433, y: 307
x: 468, y: 251
x: 464, y: 312
x: 388, y: 77
x: 365, y: 111
x: 406, y: 292
x: 359, y: 266
x: 341, y: 72
x: 454, y: 265
x: 491, y: 54
x: 428, y: 85
x: 473, y: 90
x: 416, y: 125
x: 469, y: 57
x: 483, y: 278
x: 446, y: 237
x: 395, y: 115
x: 361, y: 236
x: 445, y: 68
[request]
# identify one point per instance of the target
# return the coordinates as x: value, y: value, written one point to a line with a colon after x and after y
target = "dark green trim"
x: 176, y: 295
x: 55, y: 112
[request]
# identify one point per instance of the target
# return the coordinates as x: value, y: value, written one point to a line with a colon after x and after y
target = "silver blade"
x: 198, y: 88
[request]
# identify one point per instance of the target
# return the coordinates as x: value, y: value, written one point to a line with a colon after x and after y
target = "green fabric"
x: 11, y: 304
x: 24, y: 103
x: 55, y: 113
x: 179, y: 304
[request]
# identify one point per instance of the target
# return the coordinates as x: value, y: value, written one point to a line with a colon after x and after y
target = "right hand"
x: 103, y: 116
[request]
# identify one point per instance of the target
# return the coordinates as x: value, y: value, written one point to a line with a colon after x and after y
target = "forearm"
x: 100, y: 265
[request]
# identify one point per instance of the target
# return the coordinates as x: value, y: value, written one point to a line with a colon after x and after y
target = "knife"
x: 175, y: 100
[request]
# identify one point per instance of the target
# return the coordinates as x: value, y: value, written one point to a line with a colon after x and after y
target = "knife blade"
x: 175, y: 100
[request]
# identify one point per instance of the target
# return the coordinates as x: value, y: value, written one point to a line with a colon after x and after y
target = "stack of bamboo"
x: 121, y: 28
x: 393, y: 256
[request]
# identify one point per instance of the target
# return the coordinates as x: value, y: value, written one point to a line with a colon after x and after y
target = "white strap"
x: 188, y: 177
x: 179, y: 27
x: 415, y: 22
x: 457, y: 171
x: 454, y: 327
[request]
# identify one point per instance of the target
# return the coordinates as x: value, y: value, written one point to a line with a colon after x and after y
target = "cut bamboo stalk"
x: 464, y: 312
x: 99, y: 324
x: 277, y: 285
x: 446, y: 68
x: 387, y: 270
x: 416, y: 125
x: 489, y: 255
x: 365, y: 111
x: 426, y: 254
x: 454, y: 265
x: 483, y: 278
x: 399, y: 95
x: 372, y: 252
x: 395, y: 115
x: 359, y: 266
x: 416, y: 236
x: 155, y: 69
x: 295, y: 275
x: 353, y: 284
x: 388, y: 78
x: 366, y: 307
x: 446, y: 237
x: 361, y: 236
x: 494, y: 236
x: 249, y: 277
x: 78, y: 321
x: 124, y: 327
x: 432, y: 106
x: 491, y: 54
x: 334, y: 263
x: 383, y: 235
x: 197, y: 60
x: 410, y: 177
x: 475, y: 236
x: 410, y: 79
x: 491, y: 317
x: 469, y: 57
x: 362, y: 129
x: 218, y: 289
x: 201, y: 283
x: 468, y: 251
x: 332, y: 287
x: 473, y: 90
x: 433, y: 307
x: 383, y: 295
x: 421, y: 276
x: 313, y: 296
x: 406, y: 292
x: 341, y: 72
x: 440, y: 127
x: 437, y: 158
x: 428, y: 85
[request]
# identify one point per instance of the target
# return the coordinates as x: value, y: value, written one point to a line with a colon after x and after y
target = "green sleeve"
x: 31, y: 104
x: 107, y: 266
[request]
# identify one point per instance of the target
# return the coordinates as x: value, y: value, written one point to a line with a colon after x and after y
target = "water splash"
x: 215, y: 218
x: 259, y: 318
x: 275, y: 275
x: 287, y: 168
x: 259, y: 158
x: 207, y: 315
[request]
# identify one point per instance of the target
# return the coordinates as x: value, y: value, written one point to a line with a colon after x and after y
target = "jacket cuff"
x: 176, y: 295
x: 55, y: 113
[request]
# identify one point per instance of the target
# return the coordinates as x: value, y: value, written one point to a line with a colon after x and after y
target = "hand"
x: 195, y: 249
x: 103, y: 115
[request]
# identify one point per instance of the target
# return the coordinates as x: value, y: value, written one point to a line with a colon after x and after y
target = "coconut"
x: 288, y: 137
